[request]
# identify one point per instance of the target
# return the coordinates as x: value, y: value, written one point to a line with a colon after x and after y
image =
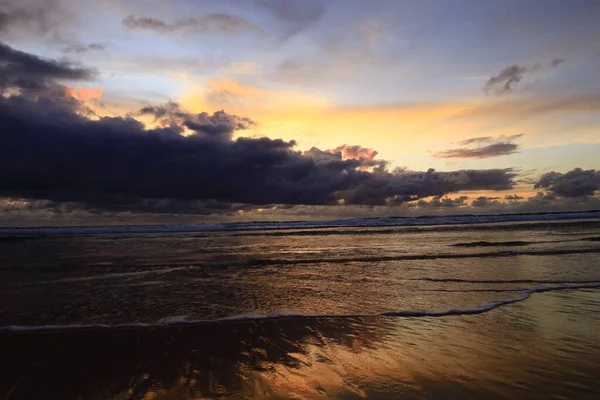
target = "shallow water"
x: 504, y: 310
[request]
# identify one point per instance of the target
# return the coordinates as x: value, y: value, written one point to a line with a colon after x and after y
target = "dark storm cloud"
x: 506, y: 80
x: 29, y: 72
x: 114, y: 204
x: 383, y: 187
x: 49, y: 151
x: 575, y: 183
x: 218, y: 125
x: 223, y: 23
x: 488, y: 147
x: 82, y: 48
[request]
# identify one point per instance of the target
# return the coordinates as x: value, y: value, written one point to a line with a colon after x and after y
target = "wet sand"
x: 545, y: 347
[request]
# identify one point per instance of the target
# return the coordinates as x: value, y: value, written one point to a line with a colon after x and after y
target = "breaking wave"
x: 411, y: 257
x: 517, y: 243
x: 521, y: 295
x: 15, y: 233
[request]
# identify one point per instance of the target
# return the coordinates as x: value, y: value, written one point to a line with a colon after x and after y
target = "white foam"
x: 521, y: 295
x: 174, y: 319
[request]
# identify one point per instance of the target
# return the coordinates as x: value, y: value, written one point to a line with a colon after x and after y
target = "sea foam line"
x: 523, y: 295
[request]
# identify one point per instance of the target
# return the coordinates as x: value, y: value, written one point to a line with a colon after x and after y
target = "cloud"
x: 575, y: 183
x: 364, y: 154
x: 476, y: 140
x: 170, y: 110
x: 385, y: 188
x: 84, y: 94
x: 355, y: 152
x: 122, y: 205
x: 50, y: 151
x: 513, y: 197
x: 218, y: 125
x: 542, y: 198
x: 298, y: 11
x: 296, y: 15
x: 493, y: 150
x: 506, y: 80
x: 82, y: 48
x: 31, y: 17
x: 487, y: 147
x: 221, y: 23
x: 28, y: 72
x: 484, y: 201
x: 442, y: 202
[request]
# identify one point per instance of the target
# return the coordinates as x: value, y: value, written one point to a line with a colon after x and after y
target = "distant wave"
x: 404, y: 229
x: 13, y: 233
x: 494, y: 244
x: 521, y: 243
x: 521, y: 295
x: 409, y: 257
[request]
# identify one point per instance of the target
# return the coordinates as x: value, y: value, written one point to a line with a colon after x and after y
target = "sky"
x: 177, y: 111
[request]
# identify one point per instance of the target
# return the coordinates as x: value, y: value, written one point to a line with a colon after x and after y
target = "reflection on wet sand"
x: 548, y: 346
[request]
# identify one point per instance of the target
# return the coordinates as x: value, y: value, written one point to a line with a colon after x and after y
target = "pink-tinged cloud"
x: 355, y: 152
x: 84, y: 94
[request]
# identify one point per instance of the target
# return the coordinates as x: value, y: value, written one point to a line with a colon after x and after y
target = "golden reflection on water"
x: 547, y: 346
x: 525, y: 350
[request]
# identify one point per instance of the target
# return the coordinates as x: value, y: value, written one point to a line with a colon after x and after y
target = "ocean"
x: 439, y: 307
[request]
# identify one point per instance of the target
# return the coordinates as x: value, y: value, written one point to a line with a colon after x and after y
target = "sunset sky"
x: 500, y: 98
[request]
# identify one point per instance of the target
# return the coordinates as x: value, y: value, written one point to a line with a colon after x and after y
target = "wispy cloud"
x: 486, y: 147
x: 30, y: 18
x: 82, y: 48
x: 220, y: 23
x: 508, y: 78
x: 296, y: 15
